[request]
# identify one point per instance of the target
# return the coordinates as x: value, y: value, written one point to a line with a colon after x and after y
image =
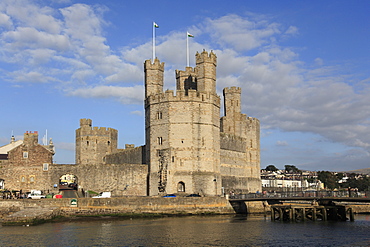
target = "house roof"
x: 5, y: 149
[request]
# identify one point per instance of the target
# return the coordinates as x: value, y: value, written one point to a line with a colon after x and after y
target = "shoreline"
x: 32, y: 212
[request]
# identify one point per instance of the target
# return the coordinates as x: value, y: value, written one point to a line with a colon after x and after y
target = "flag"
x: 190, y: 35
x: 155, y: 25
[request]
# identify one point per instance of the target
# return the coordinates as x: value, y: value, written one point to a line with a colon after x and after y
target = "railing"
x: 320, y: 193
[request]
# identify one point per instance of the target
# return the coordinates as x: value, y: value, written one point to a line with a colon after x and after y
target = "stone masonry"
x: 188, y: 147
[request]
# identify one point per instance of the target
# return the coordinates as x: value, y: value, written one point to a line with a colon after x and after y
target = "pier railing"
x: 290, y: 194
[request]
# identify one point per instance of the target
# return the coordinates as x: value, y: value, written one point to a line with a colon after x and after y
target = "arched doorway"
x: 181, y: 187
x: 68, y: 182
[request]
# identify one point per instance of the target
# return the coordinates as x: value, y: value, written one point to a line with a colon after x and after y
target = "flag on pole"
x: 190, y: 35
x: 155, y: 25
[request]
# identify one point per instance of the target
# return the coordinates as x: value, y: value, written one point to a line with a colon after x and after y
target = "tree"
x: 271, y: 168
x: 328, y: 178
x: 362, y: 184
x: 291, y: 169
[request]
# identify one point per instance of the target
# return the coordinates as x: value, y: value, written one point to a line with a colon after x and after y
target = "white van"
x: 103, y: 195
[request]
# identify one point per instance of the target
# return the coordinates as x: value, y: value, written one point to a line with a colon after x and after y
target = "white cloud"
x: 126, y: 95
x: 281, y: 143
x: 138, y: 113
x: 278, y: 88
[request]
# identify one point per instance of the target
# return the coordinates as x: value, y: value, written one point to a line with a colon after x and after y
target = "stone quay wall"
x: 126, y: 205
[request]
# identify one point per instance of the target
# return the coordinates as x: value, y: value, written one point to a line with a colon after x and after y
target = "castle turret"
x: 234, y: 121
x: 206, y: 71
x: 93, y: 143
x: 153, y: 77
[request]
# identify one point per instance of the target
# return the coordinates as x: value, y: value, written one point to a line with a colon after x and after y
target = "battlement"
x: 86, y: 127
x: 232, y: 90
x: 157, y: 65
x: 181, y: 95
x: 85, y: 122
x: 189, y: 71
x: 204, y: 57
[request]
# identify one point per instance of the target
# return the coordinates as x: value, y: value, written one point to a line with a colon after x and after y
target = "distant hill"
x: 362, y: 171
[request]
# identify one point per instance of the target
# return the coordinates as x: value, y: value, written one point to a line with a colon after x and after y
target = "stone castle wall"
x: 188, y: 148
x: 134, y: 155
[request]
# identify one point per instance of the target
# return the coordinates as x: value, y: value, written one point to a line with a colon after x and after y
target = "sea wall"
x: 124, y: 205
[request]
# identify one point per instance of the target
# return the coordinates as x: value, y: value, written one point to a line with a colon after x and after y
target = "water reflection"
x: 191, y: 231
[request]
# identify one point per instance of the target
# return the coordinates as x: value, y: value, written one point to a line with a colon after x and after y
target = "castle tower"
x: 239, y: 134
x: 153, y: 77
x: 182, y: 133
x: 234, y: 120
x: 206, y: 71
x: 93, y: 143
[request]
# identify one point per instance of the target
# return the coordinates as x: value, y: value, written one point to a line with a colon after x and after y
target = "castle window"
x: 160, y: 142
x: 108, y: 143
x: 87, y: 143
x: 181, y: 187
x: 25, y: 155
x: 32, y: 179
x: 45, y: 167
x: 251, y: 142
x: 159, y: 115
x: 173, y: 158
x: 23, y: 179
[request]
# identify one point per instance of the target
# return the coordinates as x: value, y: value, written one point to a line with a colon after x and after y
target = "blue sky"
x: 303, y: 67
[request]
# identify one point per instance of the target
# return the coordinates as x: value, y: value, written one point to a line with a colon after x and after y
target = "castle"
x: 188, y: 147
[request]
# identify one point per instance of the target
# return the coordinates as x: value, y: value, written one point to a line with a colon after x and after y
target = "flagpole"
x: 153, y: 41
x: 187, y: 49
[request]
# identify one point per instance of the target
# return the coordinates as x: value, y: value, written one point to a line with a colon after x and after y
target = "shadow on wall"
x: 239, y: 207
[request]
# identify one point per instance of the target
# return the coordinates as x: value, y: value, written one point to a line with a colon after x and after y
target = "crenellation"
x: 188, y: 147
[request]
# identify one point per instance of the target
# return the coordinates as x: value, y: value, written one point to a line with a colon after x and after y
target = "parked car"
x: 170, y: 195
x: 103, y: 195
x: 35, y: 196
x: 194, y: 195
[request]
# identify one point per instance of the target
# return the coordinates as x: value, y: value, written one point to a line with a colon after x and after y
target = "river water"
x: 190, y: 231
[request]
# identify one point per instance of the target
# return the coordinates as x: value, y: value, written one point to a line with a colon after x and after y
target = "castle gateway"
x: 189, y: 148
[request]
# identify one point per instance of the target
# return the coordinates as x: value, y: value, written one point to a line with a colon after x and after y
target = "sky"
x: 303, y: 67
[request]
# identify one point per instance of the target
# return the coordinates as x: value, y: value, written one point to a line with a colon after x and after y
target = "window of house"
x: 25, y: 155
x: 45, y: 167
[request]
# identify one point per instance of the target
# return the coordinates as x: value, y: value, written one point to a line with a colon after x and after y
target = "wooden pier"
x: 298, y: 213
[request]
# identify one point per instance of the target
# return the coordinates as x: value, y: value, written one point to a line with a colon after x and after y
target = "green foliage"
x: 291, y: 169
x: 329, y: 179
x: 271, y: 168
x: 362, y: 184
x: 311, y: 180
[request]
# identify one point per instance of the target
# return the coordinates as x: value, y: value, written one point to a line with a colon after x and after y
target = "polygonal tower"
x: 182, y: 130
x: 93, y: 143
